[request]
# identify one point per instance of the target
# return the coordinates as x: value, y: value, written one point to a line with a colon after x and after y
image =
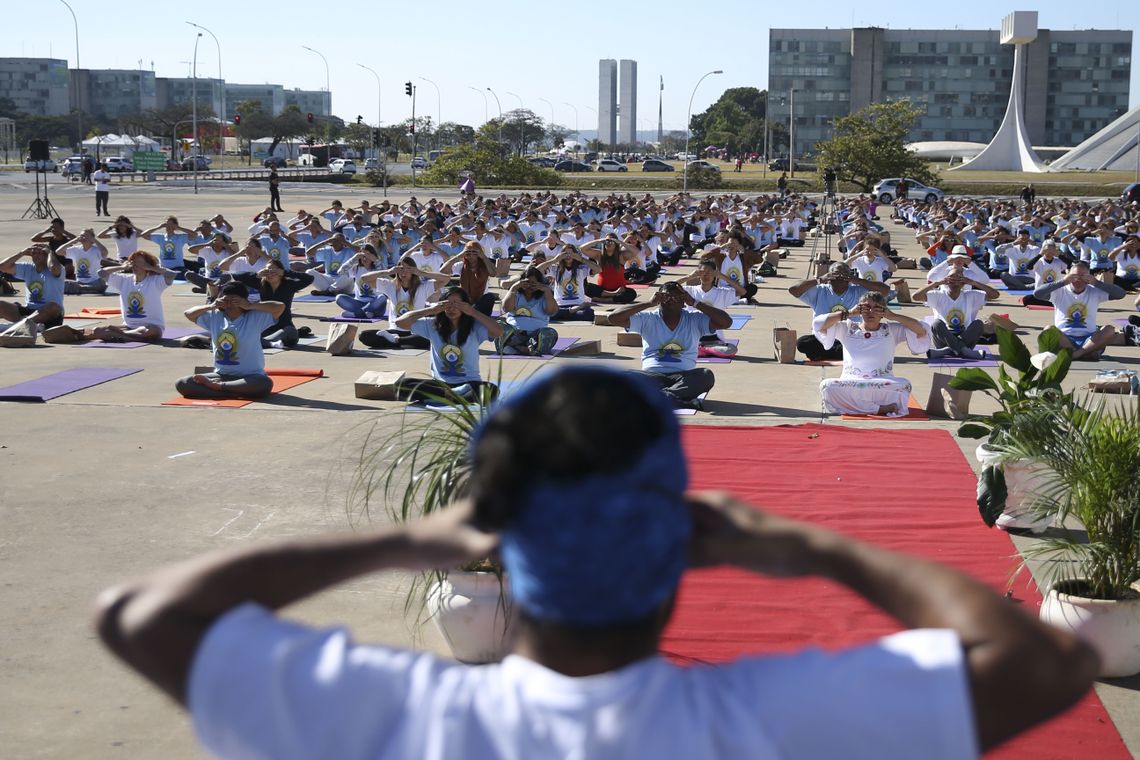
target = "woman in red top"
x: 612, y: 256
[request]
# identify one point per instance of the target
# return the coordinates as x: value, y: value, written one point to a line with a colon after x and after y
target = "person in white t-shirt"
x: 102, y: 190
x: 709, y: 285
x: 87, y: 255
x: 585, y: 678
x: 1075, y: 300
x: 956, y: 301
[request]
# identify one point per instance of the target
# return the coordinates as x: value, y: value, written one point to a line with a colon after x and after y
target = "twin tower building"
x: 617, y: 115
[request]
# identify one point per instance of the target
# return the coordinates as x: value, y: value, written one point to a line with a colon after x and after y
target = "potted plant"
x: 421, y: 467
x: 1003, y: 486
x: 1092, y: 458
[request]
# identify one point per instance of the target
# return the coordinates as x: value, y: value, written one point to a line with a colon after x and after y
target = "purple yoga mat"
x: 124, y: 344
x: 718, y: 359
x: 560, y: 345
x: 173, y: 333
x: 366, y: 320
x: 61, y: 383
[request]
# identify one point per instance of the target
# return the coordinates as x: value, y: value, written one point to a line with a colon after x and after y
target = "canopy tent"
x: 112, y: 140
x: 1114, y: 148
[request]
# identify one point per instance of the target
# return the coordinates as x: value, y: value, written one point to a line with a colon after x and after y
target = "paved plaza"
x: 106, y: 483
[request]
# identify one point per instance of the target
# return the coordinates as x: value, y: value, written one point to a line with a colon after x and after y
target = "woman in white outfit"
x: 867, y: 384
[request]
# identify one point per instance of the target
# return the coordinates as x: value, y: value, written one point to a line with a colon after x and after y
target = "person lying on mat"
x: 235, y: 326
x: 1075, y: 299
x: 956, y: 301
x: 867, y: 384
x: 670, y: 338
x: 527, y: 308
x: 275, y: 284
x: 569, y: 271
x: 404, y: 288
x: 837, y: 290
x: 585, y: 676
x: 43, y: 287
x: 455, y: 330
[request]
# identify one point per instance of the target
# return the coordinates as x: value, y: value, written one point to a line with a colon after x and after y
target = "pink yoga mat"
x: 718, y: 359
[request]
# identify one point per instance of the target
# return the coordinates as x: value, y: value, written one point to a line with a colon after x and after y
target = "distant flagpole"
x: 660, y: 127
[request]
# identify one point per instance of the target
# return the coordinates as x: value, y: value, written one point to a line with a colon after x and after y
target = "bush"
x: 699, y: 178
x: 377, y: 178
x: 488, y: 167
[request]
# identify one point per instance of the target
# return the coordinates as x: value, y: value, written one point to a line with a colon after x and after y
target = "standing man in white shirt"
x: 102, y: 190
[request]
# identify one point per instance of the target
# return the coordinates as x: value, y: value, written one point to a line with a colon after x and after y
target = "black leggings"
x: 404, y: 339
x: 625, y: 295
x: 810, y: 347
x: 640, y: 276
x: 423, y: 389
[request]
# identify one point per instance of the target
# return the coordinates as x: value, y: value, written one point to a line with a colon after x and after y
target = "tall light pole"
x: 792, y: 132
x: 486, y: 118
x: 688, y: 132
x: 547, y: 102
x: 438, y: 110
x: 577, y: 137
x: 328, y: 118
x: 194, y: 111
x: 222, y: 88
x: 522, y: 124
x: 500, y: 107
x: 373, y: 72
x: 78, y: 84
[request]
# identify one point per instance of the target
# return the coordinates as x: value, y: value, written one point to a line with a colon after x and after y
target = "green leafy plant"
x: 1093, y: 457
x: 1032, y: 388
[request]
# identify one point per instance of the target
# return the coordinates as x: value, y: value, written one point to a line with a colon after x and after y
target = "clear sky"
x: 533, y: 49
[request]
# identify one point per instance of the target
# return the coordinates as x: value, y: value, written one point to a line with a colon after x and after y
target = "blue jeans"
x: 362, y: 308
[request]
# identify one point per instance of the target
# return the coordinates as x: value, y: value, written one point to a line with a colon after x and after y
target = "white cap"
x: 959, y: 250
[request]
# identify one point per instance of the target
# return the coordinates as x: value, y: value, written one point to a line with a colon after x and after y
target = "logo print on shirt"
x: 734, y: 274
x: 871, y: 275
x: 82, y: 269
x: 1077, y: 315
x: 670, y: 351
x: 955, y: 319
x: 226, y: 351
x: 403, y: 307
x: 365, y: 289
x: 523, y: 311
x: 334, y: 266
x: 168, y: 251
x: 35, y: 291
x: 451, y: 357
x: 136, y: 304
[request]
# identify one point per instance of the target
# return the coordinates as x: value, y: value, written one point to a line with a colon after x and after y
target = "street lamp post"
x: 377, y: 76
x: 486, y: 118
x: 328, y: 117
x: 194, y: 111
x: 222, y: 88
x: 577, y: 137
x: 792, y: 133
x: 547, y: 102
x: 78, y: 84
x: 500, y: 107
x: 688, y: 132
x: 522, y: 124
x: 438, y: 110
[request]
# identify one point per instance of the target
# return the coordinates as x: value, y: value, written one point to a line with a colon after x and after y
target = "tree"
x: 871, y: 144
x: 733, y: 121
x: 450, y: 133
x: 521, y: 127
x: 487, y: 164
x: 358, y: 137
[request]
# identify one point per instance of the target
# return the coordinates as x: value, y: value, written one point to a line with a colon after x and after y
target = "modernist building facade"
x: 617, y: 101
x: 1076, y: 81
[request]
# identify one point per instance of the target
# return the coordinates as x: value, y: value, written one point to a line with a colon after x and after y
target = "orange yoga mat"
x: 101, y: 312
x: 824, y: 363
x: 283, y: 380
x: 914, y: 412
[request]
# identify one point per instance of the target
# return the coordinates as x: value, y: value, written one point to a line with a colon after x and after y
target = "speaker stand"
x: 40, y: 208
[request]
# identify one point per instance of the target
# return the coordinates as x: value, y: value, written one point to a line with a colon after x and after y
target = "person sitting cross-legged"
x: 956, y: 301
x: 1075, y: 299
x: 527, y: 309
x: 235, y: 326
x: 839, y: 289
x: 671, y: 336
x: 43, y: 285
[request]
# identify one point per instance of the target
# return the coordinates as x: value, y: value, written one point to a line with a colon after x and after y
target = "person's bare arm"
x: 1020, y: 670
x: 804, y: 286
x: 155, y: 624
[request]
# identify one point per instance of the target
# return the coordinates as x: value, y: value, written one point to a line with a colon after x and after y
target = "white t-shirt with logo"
x: 958, y: 312
x: 141, y: 302
x: 400, y: 301
x: 87, y: 263
x: 1076, y: 312
x: 1046, y: 272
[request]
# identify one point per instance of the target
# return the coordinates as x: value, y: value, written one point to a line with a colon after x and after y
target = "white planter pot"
x: 1112, y: 628
x: 1022, y: 478
x: 473, y: 612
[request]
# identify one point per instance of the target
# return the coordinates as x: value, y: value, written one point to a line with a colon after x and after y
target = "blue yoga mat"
x: 313, y: 299
x: 739, y: 320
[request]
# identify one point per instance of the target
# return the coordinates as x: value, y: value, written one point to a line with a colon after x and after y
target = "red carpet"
x: 844, y: 479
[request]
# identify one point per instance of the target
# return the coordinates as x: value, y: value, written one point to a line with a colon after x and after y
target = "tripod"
x: 40, y: 208
x: 827, y: 221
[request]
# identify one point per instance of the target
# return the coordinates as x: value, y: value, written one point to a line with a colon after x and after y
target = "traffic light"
x: 310, y: 118
x: 359, y: 119
x: 408, y: 88
x: 237, y: 120
x: 376, y: 136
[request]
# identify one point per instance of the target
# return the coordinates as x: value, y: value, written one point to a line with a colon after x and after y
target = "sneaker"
x: 197, y: 289
x: 1023, y: 522
x: 304, y: 332
x: 194, y: 341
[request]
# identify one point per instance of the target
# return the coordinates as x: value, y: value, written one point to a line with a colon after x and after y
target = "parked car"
x: 371, y: 164
x: 611, y: 165
x: 543, y: 161
x: 656, y: 165
x: 275, y: 162
x: 119, y: 164
x: 342, y: 166
x: 590, y: 157
x: 572, y: 166
x: 46, y: 165
x: 1131, y: 193
x: 885, y: 191
x: 202, y: 163
x: 686, y: 157
x: 702, y: 164
x: 419, y: 162
x: 72, y: 166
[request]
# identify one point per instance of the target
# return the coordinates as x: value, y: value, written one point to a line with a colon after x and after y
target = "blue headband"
x: 605, y: 548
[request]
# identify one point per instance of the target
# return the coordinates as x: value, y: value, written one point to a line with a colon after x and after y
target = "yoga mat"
x: 311, y: 341
x: 62, y: 383
x: 313, y: 299
x: 173, y: 333
x: 560, y: 345
x: 1020, y: 292
x: 952, y: 362
x: 1038, y: 307
x: 84, y: 316
x: 915, y: 411
x: 719, y: 359
x: 824, y: 363
x: 283, y: 380
x: 105, y: 344
x: 101, y: 312
x: 724, y: 613
x: 636, y: 287
x: 367, y: 320
x: 739, y: 320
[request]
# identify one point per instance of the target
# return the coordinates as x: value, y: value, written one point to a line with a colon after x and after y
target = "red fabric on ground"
x: 907, y: 490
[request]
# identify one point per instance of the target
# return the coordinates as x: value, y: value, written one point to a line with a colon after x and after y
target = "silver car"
x: 885, y: 191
